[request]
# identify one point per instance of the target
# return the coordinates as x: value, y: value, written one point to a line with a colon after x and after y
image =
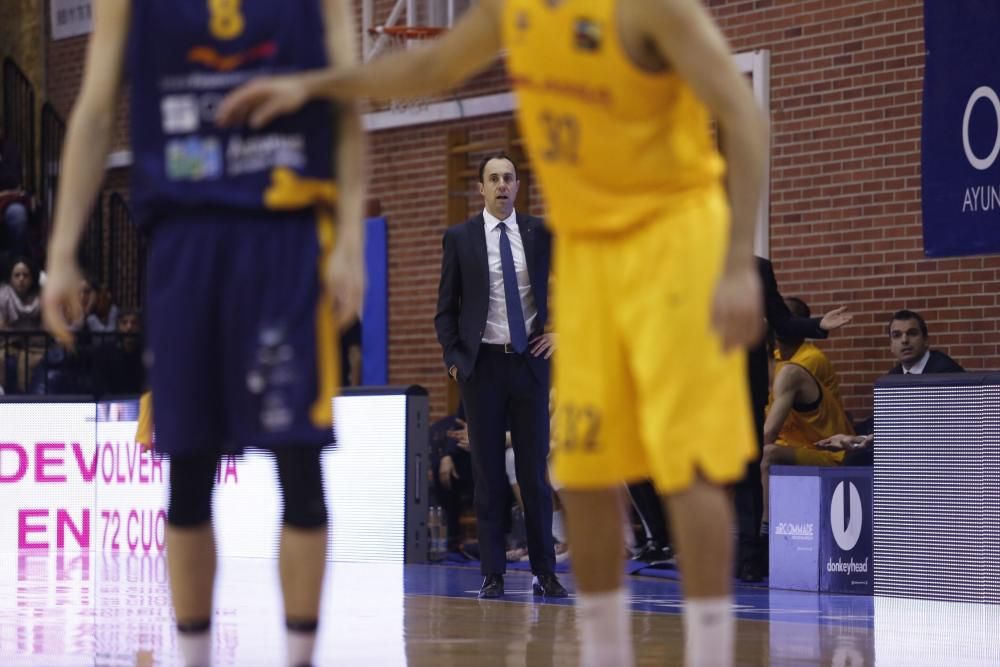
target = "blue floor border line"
x: 632, y: 568
x: 652, y: 589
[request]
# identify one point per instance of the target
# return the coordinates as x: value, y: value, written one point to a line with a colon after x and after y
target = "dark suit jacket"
x: 784, y: 324
x: 464, y: 291
x: 938, y: 363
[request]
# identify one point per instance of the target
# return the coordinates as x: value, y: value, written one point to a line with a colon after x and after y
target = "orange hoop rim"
x: 407, y: 31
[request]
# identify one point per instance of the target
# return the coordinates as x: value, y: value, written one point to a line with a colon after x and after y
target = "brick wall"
x: 846, y: 91
x: 846, y: 87
x: 64, y: 75
x: 408, y: 177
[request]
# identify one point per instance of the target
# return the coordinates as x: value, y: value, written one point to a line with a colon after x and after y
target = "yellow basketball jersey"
x: 613, y: 145
x: 803, y: 429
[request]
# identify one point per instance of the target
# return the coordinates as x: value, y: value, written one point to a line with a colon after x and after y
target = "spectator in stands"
x: 19, y: 305
x: 20, y: 311
x: 452, y: 461
x: 908, y: 342
x: 119, y: 366
x: 14, y: 202
x: 87, y: 303
x: 104, y: 316
x: 805, y: 407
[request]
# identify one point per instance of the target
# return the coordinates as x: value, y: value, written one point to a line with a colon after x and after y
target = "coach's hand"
x: 544, y: 345
x: 262, y: 100
x: 345, y: 281
x: 61, y: 298
x: 737, y: 311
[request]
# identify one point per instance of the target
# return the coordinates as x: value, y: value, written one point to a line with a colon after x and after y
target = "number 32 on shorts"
x: 562, y: 137
x: 577, y: 427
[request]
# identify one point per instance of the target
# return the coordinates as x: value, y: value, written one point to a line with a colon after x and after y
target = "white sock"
x: 300, y: 648
x: 708, y: 632
x: 196, y: 647
x: 605, y: 628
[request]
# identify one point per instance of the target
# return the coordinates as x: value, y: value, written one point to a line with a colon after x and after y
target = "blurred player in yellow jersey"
x: 657, y: 291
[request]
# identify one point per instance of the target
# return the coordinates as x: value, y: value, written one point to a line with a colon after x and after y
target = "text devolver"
x: 58, y: 462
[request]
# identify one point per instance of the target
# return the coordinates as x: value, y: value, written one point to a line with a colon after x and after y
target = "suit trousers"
x: 748, y: 495
x: 503, y: 393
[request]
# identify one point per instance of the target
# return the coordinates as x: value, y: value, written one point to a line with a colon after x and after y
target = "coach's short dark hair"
x: 907, y: 315
x: 798, y: 306
x: 495, y: 156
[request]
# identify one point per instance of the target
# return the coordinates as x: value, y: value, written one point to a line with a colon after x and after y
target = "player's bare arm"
x: 470, y: 46
x: 345, y: 275
x: 683, y: 33
x: 88, y: 139
x: 787, y: 385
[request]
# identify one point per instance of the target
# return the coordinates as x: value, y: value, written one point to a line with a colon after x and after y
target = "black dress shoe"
x: 548, y: 585
x: 492, y: 587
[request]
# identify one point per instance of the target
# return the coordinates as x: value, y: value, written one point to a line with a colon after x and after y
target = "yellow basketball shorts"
x: 810, y: 456
x: 642, y: 386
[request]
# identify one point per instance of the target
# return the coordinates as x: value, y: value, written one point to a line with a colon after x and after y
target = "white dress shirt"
x: 918, y: 368
x: 497, y: 330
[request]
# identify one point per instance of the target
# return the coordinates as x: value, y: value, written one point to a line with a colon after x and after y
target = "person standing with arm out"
x: 256, y: 246
x: 657, y: 290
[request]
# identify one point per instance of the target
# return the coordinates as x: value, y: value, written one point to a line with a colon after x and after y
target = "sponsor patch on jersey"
x: 194, y: 159
x: 180, y: 114
x: 209, y: 57
x: 587, y: 35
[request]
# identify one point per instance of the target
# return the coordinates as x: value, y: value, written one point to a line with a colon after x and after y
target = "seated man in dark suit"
x: 908, y: 341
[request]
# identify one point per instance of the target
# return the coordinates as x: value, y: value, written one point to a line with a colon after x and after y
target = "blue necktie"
x: 515, y: 316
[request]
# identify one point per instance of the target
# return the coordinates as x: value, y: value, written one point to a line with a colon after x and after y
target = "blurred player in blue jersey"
x: 255, y: 253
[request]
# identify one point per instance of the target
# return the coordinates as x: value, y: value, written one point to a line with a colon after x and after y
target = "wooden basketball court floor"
x: 113, y: 609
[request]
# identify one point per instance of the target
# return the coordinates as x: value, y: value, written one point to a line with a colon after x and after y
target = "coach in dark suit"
x: 491, y: 318
x: 908, y: 341
x: 748, y: 493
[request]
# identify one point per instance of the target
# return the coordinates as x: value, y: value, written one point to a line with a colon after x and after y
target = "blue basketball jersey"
x: 184, y: 56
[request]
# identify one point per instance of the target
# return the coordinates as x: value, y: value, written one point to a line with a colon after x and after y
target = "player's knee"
x: 301, y: 478
x: 191, y: 482
x: 307, y: 514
